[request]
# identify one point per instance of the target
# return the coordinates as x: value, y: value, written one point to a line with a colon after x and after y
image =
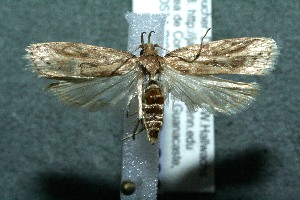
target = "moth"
x: 94, y: 77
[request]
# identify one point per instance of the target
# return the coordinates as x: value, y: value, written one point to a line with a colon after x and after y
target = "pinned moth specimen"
x: 94, y: 77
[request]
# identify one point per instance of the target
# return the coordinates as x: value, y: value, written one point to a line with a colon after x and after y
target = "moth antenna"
x: 150, y: 36
x: 187, y: 59
x: 167, y: 50
x: 198, y: 54
x: 142, y: 37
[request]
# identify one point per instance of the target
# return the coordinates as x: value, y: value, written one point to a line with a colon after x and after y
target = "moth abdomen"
x: 153, y: 109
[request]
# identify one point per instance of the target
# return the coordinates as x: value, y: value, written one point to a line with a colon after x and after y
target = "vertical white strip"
x: 140, y: 157
x: 187, y: 139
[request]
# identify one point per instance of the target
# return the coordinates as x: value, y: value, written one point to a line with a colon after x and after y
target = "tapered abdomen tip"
x: 153, y: 136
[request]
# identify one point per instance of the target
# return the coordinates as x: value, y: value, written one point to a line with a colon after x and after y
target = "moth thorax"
x: 153, y: 109
x: 148, y: 49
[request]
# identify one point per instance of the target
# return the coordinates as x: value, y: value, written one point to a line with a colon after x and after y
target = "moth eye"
x: 142, y: 52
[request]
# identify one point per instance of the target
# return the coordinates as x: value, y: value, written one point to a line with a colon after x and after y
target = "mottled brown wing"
x: 252, y: 56
x: 65, y: 60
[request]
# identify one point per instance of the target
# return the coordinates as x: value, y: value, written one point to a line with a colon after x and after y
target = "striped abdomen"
x: 153, y: 109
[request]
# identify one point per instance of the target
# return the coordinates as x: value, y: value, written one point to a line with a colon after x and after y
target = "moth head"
x: 147, y: 49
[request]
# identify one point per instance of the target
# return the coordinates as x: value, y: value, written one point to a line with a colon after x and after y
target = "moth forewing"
x: 59, y: 60
x: 250, y: 56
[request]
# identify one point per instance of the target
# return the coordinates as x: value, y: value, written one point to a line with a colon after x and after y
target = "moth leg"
x: 128, y: 114
x: 135, y: 132
x: 141, y: 130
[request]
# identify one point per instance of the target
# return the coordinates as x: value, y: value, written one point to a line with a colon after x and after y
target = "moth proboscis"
x: 93, y: 77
